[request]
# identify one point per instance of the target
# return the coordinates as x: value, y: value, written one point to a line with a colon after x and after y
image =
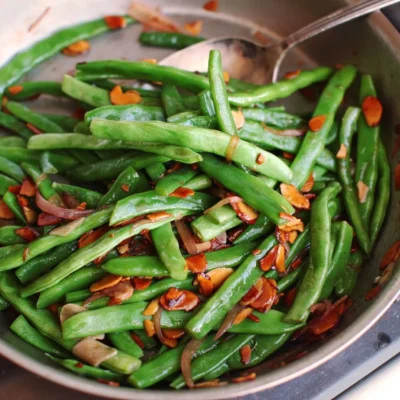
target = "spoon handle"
x: 334, y: 19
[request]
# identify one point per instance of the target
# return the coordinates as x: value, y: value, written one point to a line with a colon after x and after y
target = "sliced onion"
x: 187, y: 237
x: 232, y: 146
x: 67, y: 228
x: 93, y: 297
x: 60, y: 212
x: 202, y: 247
x: 228, y: 321
x: 226, y: 200
x: 69, y: 310
x: 186, y: 360
x: 286, y: 132
x: 221, y: 238
x: 157, y: 324
x: 93, y: 352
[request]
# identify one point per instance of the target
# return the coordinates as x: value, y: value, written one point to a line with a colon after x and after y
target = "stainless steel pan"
x: 372, y: 44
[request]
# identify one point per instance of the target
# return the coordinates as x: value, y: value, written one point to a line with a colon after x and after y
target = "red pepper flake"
x: 158, y: 216
x: 125, y: 187
x: 211, y: 5
x: 28, y: 188
x: 194, y: 167
x: 82, y: 206
x: 391, y: 255
x: 33, y: 128
x: 289, y: 297
x: 253, y: 317
x: 79, y: 114
x: 244, y: 378
x: 260, y: 37
x: 397, y: 177
x: 256, y: 252
x: 268, y: 261
x: 197, y: 264
x: 53, y: 308
x: 109, y: 383
x: 245, y: 354
x: 141, y: 283
x: 14, y: 189
x: 137, y: 340
x: 174, y: 168
x: 339, y: 66
x: 287, y: 155
x: 91, y: 236
x: 260, y: 159
x: 25, y: 254
x: 316, y: 123
x: 79, y: 365
x: 372, y: 110
x: 99, y: 260
x: 27, y: 233
x: 15, y: 89
x: 182, y: 192
x: 115, y: 21
x: 292, y: 74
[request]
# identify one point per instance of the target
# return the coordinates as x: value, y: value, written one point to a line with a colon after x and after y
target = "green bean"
x: 4, y: 304
x: 42, y: 182
x: 168, y: 250
x: 19, y: 155
x: 109, y: 169
x: 199, y: 182
x: 211, y: 360
x: 280, y: 89
x: 150, y: 202
x: 31, y: 89
x: 47, y: 242
x: 124, y: 342
x: 47, y: 324
x: 383, y: 194
x: 207, y: 230
x: 340, y: 257
x: 277, y: 119
x: 44, y: 49
x: 143, y: 184
x: 183, y: 116
x: 66, y: 122
x: 190, y: 102
x: 85, y: 92
x: 197, y: 139
x: 9, y: 237
x: 171, y: 40
x: 39, y: 265
x: 199, y: 122
x: 77, y: 296
x: 12, y: 141
x: 84, y: 156
x: 90, y: 197
x: 14, y: 125
x: 206, y: 103
x: 133, y: 112
x: 22, y: 328
x: 11, y: 169
x: 81, y: 127
x: 219, y: 95
x: 77, y: 280
x: 251, y: 189
x: 333, y: 134
x: 367, y: 153
x: 147, y: 93
x: 312, y: 284
x: 171, y: 100
x: 13, y: 204
x: 123, y: 186
x: 87, y: 370
x: 259, y: 229
x: 314, y: 142
x: 347, y: 130
x: 156, y: 171
x: 346, y: 283
x: 153, y: 266
x: 221, y: 214
x: 169, y: 183
x: 53, y: 163
x: 230, y: 293
x: 36, y: 119
x: 116, y: 69
x: 89, y: 253
x: 5, y: 183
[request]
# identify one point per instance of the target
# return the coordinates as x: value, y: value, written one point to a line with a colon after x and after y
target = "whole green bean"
x: 12, y: 141
x: 39, y: 265
x: 133, y: 112
x: 206, y: 103
x: 367, y: 153
x: 171, y: 40
x: 346, y: 283
x: 171, y: 100
x: 12, y: 202
x: 46, y: 48
x: 280, y: 89
x: 311, y: 286
x: 90, y: 197
x: 116, y: 69
x: 19, y: 155
x: 347, y: 130
x: 89, y: 253
x: 31, y: 89
x: 80, y: 279
x: 197, y: 139
x: 219, y: 95
x: 206, y: 229
x: 123, y: 186
x: 383, y: 194
x: 149, y: 202
x: 168, y: 250
x: 199, y: 182
x: 11, y: 169
x: 36, y: 119
x: 47, y: 242
x: 166, y: 185
x: 123, y: 341
x: 314, y: 142
x: 22, y: 328
x: 14, y: 125
x: 271, y: 117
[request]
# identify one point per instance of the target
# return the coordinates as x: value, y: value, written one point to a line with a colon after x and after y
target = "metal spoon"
x: 257, y: 64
